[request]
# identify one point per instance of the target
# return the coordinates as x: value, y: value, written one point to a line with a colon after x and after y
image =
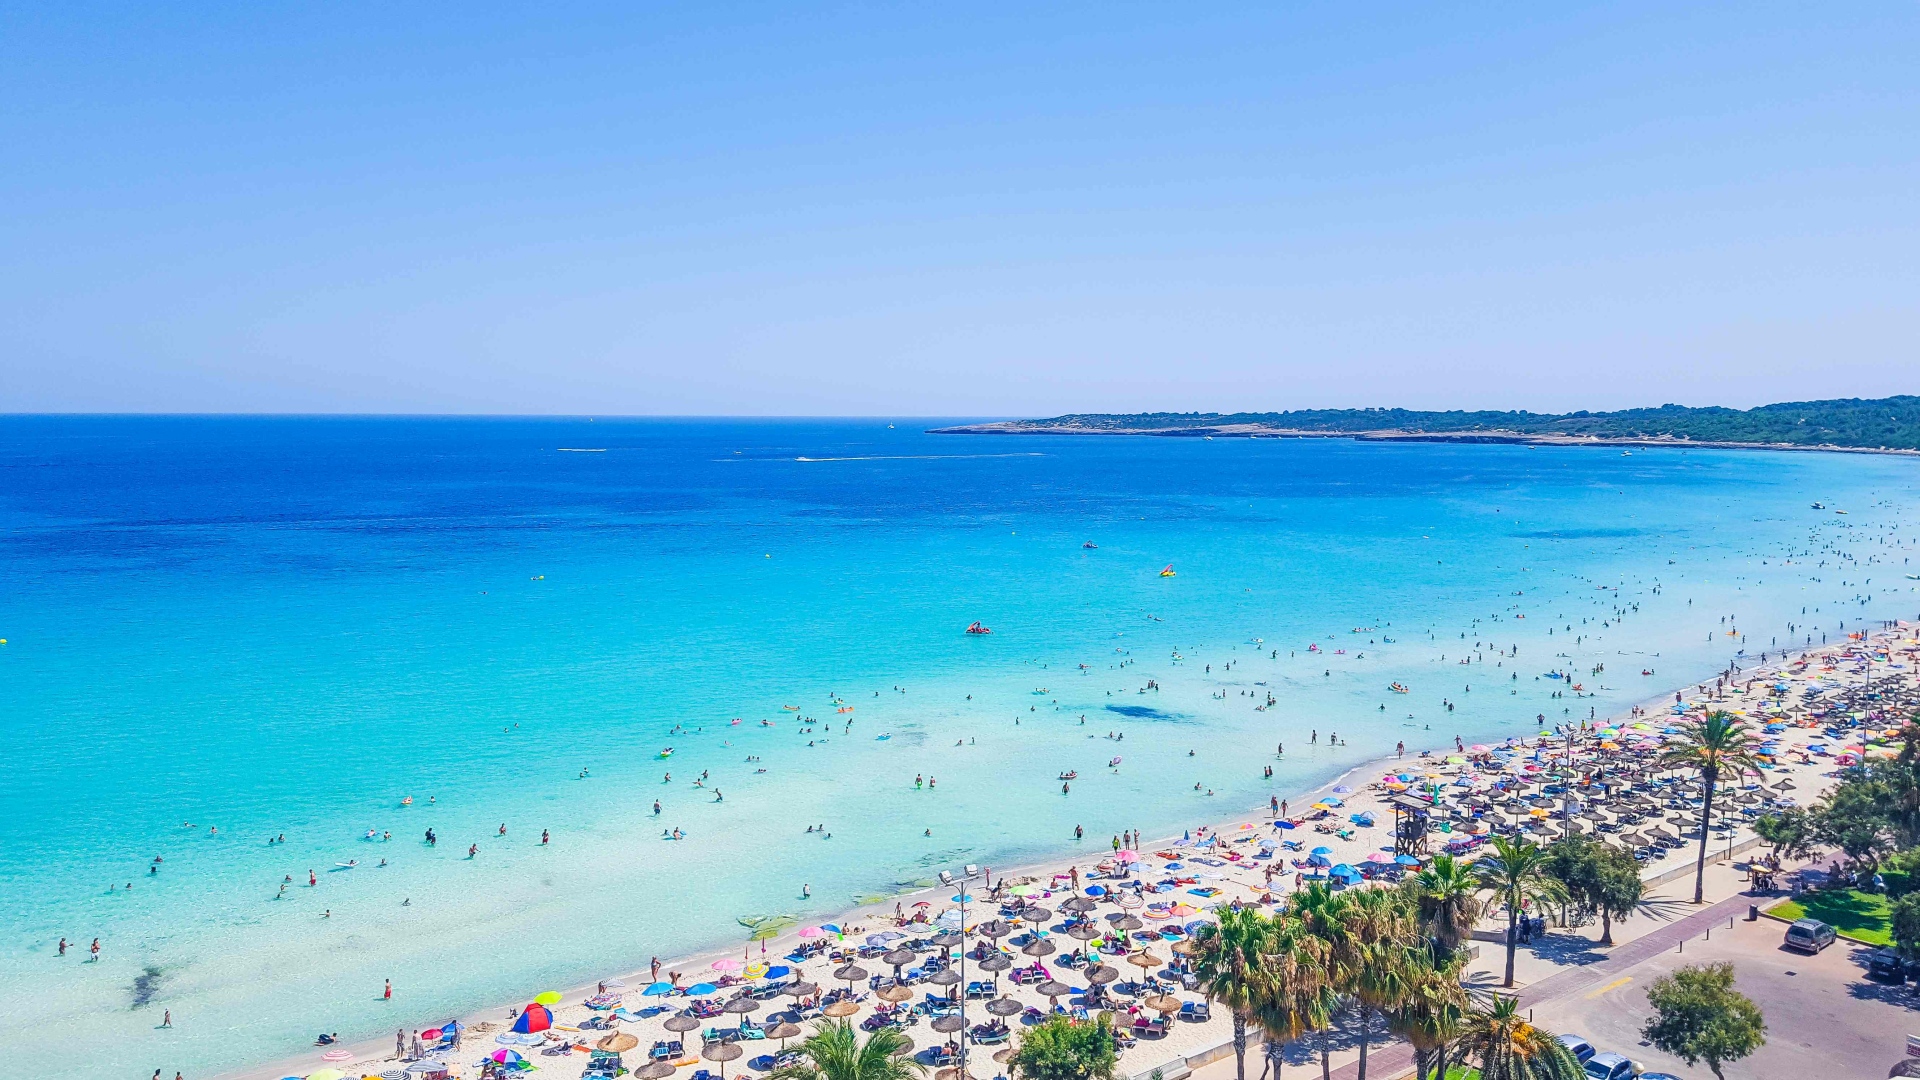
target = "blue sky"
x: 943, y: 210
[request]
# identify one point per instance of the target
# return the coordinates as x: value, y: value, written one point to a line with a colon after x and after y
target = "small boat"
x: 790, y: 708
x: 1090, y: 546
x: 883, y: 736
x: 1040, y: 690
x: 1168, y: 572
x: 1398, y: 688
x: 1819, y: 506
x: 1070, y: 774
x: 668, y: 752
x: 844, y: 709
x: 1114, y: 764
x: 976, y: 628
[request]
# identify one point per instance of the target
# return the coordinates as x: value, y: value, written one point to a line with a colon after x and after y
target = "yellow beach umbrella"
x: 327, y: 1074
x: 547, y: 997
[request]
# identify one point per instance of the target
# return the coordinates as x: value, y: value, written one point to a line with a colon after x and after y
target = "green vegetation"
x: 1351, y: 959
x: 1879, y: 424
x: 1513, y: 874
x: 1701, y: 1017
x: 1862, y: 916
x: 1058, y: 1049
x: 835, y: 1052
x: 1601, y: 879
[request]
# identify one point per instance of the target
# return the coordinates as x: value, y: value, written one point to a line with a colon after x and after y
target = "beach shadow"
x: 1565, y: 950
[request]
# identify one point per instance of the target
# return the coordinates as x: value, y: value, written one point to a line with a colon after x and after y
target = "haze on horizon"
x: 739, y: 209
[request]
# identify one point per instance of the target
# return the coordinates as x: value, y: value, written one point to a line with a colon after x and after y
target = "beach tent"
x: 537, y: 1017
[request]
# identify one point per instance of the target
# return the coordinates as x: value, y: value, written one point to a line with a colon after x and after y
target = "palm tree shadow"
x: 1665, y: 911
x: 1481, y: 987
x: 1565, y: 949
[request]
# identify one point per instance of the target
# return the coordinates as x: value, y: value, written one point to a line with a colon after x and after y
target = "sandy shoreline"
x: 1517, y: 438
x: 875, y: 916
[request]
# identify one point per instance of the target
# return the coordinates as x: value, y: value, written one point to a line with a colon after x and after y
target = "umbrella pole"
x: 962, y: 1033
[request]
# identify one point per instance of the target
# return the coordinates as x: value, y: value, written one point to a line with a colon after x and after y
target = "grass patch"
x: 1863, y: 917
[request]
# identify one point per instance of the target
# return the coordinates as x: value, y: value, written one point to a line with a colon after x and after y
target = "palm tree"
x: 1230, y: 967
x: 1327, y: 942
x: 835, y: 1052
x: 1431, y: 1009
x: 1446, y: 892
x: 1292, y: 988
x: 1380, y: 922
x: 1515, y: 874
x: 1719, y: 743
x: 1510, y: 1048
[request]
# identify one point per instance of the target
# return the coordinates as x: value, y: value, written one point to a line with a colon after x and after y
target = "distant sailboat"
x: 1168, y: 572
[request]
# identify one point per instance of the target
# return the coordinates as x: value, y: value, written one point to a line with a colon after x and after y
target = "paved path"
x: 1396, y: 1059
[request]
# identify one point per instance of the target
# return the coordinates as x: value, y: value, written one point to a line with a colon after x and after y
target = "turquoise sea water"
x: 287, y: 626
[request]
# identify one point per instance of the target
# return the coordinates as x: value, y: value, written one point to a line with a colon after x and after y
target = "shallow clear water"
x: 286, y: 626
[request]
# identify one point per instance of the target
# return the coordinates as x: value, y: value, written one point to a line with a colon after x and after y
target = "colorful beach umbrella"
x: 547, y: 997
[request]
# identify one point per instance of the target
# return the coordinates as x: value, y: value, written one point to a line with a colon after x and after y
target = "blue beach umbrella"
x: 1096, y: 890
x: 963, y: 898
x: 1317, y: 860
x: 1406, y: 860
x: 659, y: 989
x: 778, y: 971
x: 701, y: 988
x: 1322, y: 850
x: 1345, y: 873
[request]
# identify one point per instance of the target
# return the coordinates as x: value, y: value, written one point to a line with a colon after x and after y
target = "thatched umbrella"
x: 894, y: 994
x: 1162, y: 1003
x: 1003, y: 1056
x: 783, y: 1031
x: 657, y: 1070
x: 850, y: 973
x: 947, y: 939
x: 1078, y: 904
x: 1052, y: 988
x: 1125, y: 922
x: 721, y: 1052
x: 948, y: 1024
x: 904, y: 1047
x: 1145, y: 961
x: 993, y: 928
x: 899, y: 958
x: 1039, y: 947
x: 1005, y: 1006
x: 800, y: 989
x: 618, y: 1042
x: 1036, y: 915
x: 843, y: 1008
x: 681, y: 1022
x: 1101, y: 974
x: 1186, y: 948
x: 1083, y: 931
x: 995, y: 962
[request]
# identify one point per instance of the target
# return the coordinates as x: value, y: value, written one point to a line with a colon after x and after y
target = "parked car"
x: 1609, y: 1067
x: 1888, y: 966
x: 1582, y: 1049
x: 1809, y: 935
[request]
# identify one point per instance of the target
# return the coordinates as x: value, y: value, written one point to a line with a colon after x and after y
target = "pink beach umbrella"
x: 727, y: 965
x: 1125, y: 855
x: 812, y: 932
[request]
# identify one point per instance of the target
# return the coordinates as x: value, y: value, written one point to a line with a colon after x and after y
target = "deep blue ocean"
x: 224, y: 630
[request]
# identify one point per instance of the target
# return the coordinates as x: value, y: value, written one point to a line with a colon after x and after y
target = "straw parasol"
x: 1036, y: 914
x: 1083, y: 931
x: 681, y: 1022
x: 995, y: 962
x: 1186, y: 948
x: 944, y: 977
x: 904, y: 1048
x: 993, y: 928
x: 1101, y: 974
x: 948, y: 1024
x: 1079, y: 905
x: 1144, y: 960
x: 741, y: 1006
x: 899, y: 958
x: 850, y: 973
x: 1162, y: 1003
x: 1052, y: 988
x: 783, y: 1031
x: 721, y: 1052
x: 950, y: 1074
x: 1125, y: 922
x: 894, y: 994
x: 658, y: 1070
x: 800, y: 989
x: 947, y: 939
x: 1003, y: 1056
x: 618, y: 1042
x: 1005, y: 1006
x: 841, y: 1008
x: 1039, y: 947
